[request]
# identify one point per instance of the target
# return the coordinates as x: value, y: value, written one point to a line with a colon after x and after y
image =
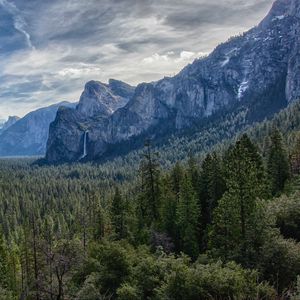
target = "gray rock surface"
x: 98, y: 102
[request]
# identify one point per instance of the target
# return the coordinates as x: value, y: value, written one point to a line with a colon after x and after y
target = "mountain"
x: 28, y: 135
x: 97, y: 103
x: 6, y: 124
x: 258, y: 70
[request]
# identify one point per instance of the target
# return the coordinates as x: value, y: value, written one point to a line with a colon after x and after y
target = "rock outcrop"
x: 97, y: 103
x: 244, y: 69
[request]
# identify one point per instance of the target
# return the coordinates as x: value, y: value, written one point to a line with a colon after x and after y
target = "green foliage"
x: 149, y: 201
x: 296, y: 294
x: 238, y: 225
x: 107, y: 267
x: 211, y: 189
x: 6, y: 295
x: 187, y: 218
x: 119, y: 215
x: 169, y: 200
x: 286, y: 211
x: 279, y: 260
x: 99, y: 231
x: 278, y: 164
x: 213, y: 281
x: 4, y: 271
x: 128, y: 292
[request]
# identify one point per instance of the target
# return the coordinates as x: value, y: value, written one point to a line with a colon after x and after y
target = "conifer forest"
x: 219, y: 225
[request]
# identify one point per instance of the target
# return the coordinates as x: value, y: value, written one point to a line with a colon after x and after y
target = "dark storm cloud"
x: 50, y: 48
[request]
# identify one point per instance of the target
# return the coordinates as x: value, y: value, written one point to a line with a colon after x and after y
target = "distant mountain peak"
x: 11, y: 121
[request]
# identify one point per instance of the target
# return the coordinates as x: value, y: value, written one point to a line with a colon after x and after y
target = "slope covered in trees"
x: 211, y: 228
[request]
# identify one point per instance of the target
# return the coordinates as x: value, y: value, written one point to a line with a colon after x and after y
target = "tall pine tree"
x: 188, y: 218
x: 4, y: 264
x: 118, y: 215
x: 149, y: 199
x: 278, y: 165
x: 238, y: 223
x: 211, y: 189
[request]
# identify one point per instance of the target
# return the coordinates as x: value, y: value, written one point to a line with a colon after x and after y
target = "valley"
x: 183, y: 188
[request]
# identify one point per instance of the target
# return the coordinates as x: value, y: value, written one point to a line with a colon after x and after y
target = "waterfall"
x: 84, y: 154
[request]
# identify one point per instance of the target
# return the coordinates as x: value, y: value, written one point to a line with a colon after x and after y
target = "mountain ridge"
x: 243, y: 68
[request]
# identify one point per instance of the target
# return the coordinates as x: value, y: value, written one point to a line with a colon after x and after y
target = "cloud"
x: 19, y: 22
x: 186, y: 56
x: 172, y: 58
x: 156, y: 58
x: 49, y: 49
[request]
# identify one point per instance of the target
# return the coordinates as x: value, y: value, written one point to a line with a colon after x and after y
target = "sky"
x: 50, y: 48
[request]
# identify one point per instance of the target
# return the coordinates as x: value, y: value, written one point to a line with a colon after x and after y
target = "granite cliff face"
x: 97, y: 103
x: 103, y: 99
x: 28, y: 136
x: 265, y: 60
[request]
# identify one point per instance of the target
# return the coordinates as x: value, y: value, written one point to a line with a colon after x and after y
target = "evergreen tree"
x: 211, y: 189
x: 170, y: 197
x: 193, y: 173
x: 176, y: 178
x: 238, y: 221
x: 278, y: 165
x: 4, y: 264
x: 187, y: 218
x: 150, y: 186
x: 168, y: 210
x: 49, y: 239
x: 118, y: 214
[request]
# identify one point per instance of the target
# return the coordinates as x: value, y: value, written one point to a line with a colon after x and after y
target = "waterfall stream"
x: 84, y: 154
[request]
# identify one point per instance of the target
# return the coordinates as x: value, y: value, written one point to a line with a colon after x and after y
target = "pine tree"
x: 237, y: 221
x: 176, y: 178
x: 118, y: 214
x: 278, y: 165
x: 211, y: 189
x: 193, y: 173
x: 49, y: 239
x: 170, y: 197
x: 187, y: 218
x: 168, y: 209
x: 4, y: 264
x: 149, y: 199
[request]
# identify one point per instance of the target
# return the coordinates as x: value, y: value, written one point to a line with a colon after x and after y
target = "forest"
x: 222, y: 223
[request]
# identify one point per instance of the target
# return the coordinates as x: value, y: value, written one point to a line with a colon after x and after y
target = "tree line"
x: 224, y: 227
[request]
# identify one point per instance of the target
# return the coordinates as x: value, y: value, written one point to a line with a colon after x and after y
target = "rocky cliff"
x: 97, y: 104
x: 261, y: 64
x: 28, y: 136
